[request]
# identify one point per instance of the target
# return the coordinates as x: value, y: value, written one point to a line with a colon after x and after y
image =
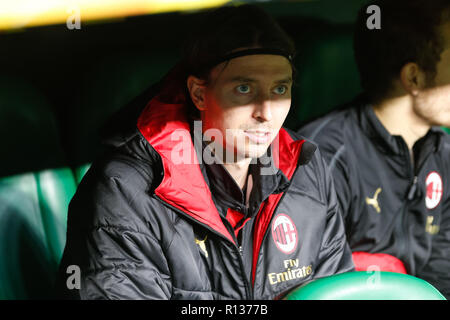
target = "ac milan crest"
x: 284, y: 233
x: 434, y: 190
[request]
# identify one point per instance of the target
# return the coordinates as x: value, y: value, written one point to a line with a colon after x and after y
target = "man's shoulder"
x: 331, y: 131
x: 114, y: 190
x: 446, y: 142
x: 119, y: 172
x: 124, y: 164
x: 298, y: 136
x: 329, y: 124
x: 445, y: 150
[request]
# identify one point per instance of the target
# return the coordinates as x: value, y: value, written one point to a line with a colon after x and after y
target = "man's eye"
x: 280, y: 90
x: 243, y: 88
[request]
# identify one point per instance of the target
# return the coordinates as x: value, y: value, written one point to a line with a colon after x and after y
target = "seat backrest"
x: 35, y: 189
x: 363, y: 285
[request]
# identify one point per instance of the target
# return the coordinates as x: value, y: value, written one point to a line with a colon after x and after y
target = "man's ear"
x: 196, y: 89
x: 413, y: 79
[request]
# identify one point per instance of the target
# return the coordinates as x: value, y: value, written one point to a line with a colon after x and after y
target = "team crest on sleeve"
x: 284, y: 233
x: 434, y: 186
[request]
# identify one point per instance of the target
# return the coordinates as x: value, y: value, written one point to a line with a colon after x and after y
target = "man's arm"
x: 335, y: 255
x: 333, y: 150
x: 437, y: 270
x: 115, y: 254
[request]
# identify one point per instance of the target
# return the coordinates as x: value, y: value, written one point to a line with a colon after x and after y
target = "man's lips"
x: 258, y: 136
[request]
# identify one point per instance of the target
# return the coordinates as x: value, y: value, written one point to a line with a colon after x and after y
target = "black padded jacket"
x: 391, y: 203
x: 144, y: 225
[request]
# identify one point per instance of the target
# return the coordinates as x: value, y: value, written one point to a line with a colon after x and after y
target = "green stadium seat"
x: 364, y: 285
x: 35, y: 189
x: 80, y: 171
x: 33, y: 216
x: 55, y: 189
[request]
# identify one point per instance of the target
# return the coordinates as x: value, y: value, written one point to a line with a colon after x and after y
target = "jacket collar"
x: 167, y: 130
x: 266, y: 180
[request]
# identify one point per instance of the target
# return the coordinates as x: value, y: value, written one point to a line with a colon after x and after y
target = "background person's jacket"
x: 142, y: 225
x: 391, y: 204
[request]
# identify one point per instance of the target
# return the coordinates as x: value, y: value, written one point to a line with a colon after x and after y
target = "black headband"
x: 248, y: 52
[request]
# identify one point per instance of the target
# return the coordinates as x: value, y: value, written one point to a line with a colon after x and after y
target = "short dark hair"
x: 221, y: 31
x: 409, y: 33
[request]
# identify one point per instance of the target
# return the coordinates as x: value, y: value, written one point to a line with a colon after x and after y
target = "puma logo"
x: 374, y: 201
x: 430, y: 227
x: 201, y: 244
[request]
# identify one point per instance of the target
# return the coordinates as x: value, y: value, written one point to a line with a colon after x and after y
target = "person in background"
x: 389, y: 158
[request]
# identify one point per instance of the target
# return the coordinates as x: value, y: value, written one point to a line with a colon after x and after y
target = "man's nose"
x: 263, y: 109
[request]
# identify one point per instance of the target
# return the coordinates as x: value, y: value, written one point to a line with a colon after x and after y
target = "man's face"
x: 247, y: 101
x: 433, y: 104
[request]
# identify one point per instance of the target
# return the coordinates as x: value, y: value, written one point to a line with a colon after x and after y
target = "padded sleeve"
x: 437, y: 270
x: 119, y: 256
x: 334, y: 151
x: 335, y: 255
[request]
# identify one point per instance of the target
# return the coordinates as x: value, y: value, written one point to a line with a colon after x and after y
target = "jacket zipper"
x: 403, y: 230
x: 412, y: 191
x: 238, y: 249
x: 248, y: 287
